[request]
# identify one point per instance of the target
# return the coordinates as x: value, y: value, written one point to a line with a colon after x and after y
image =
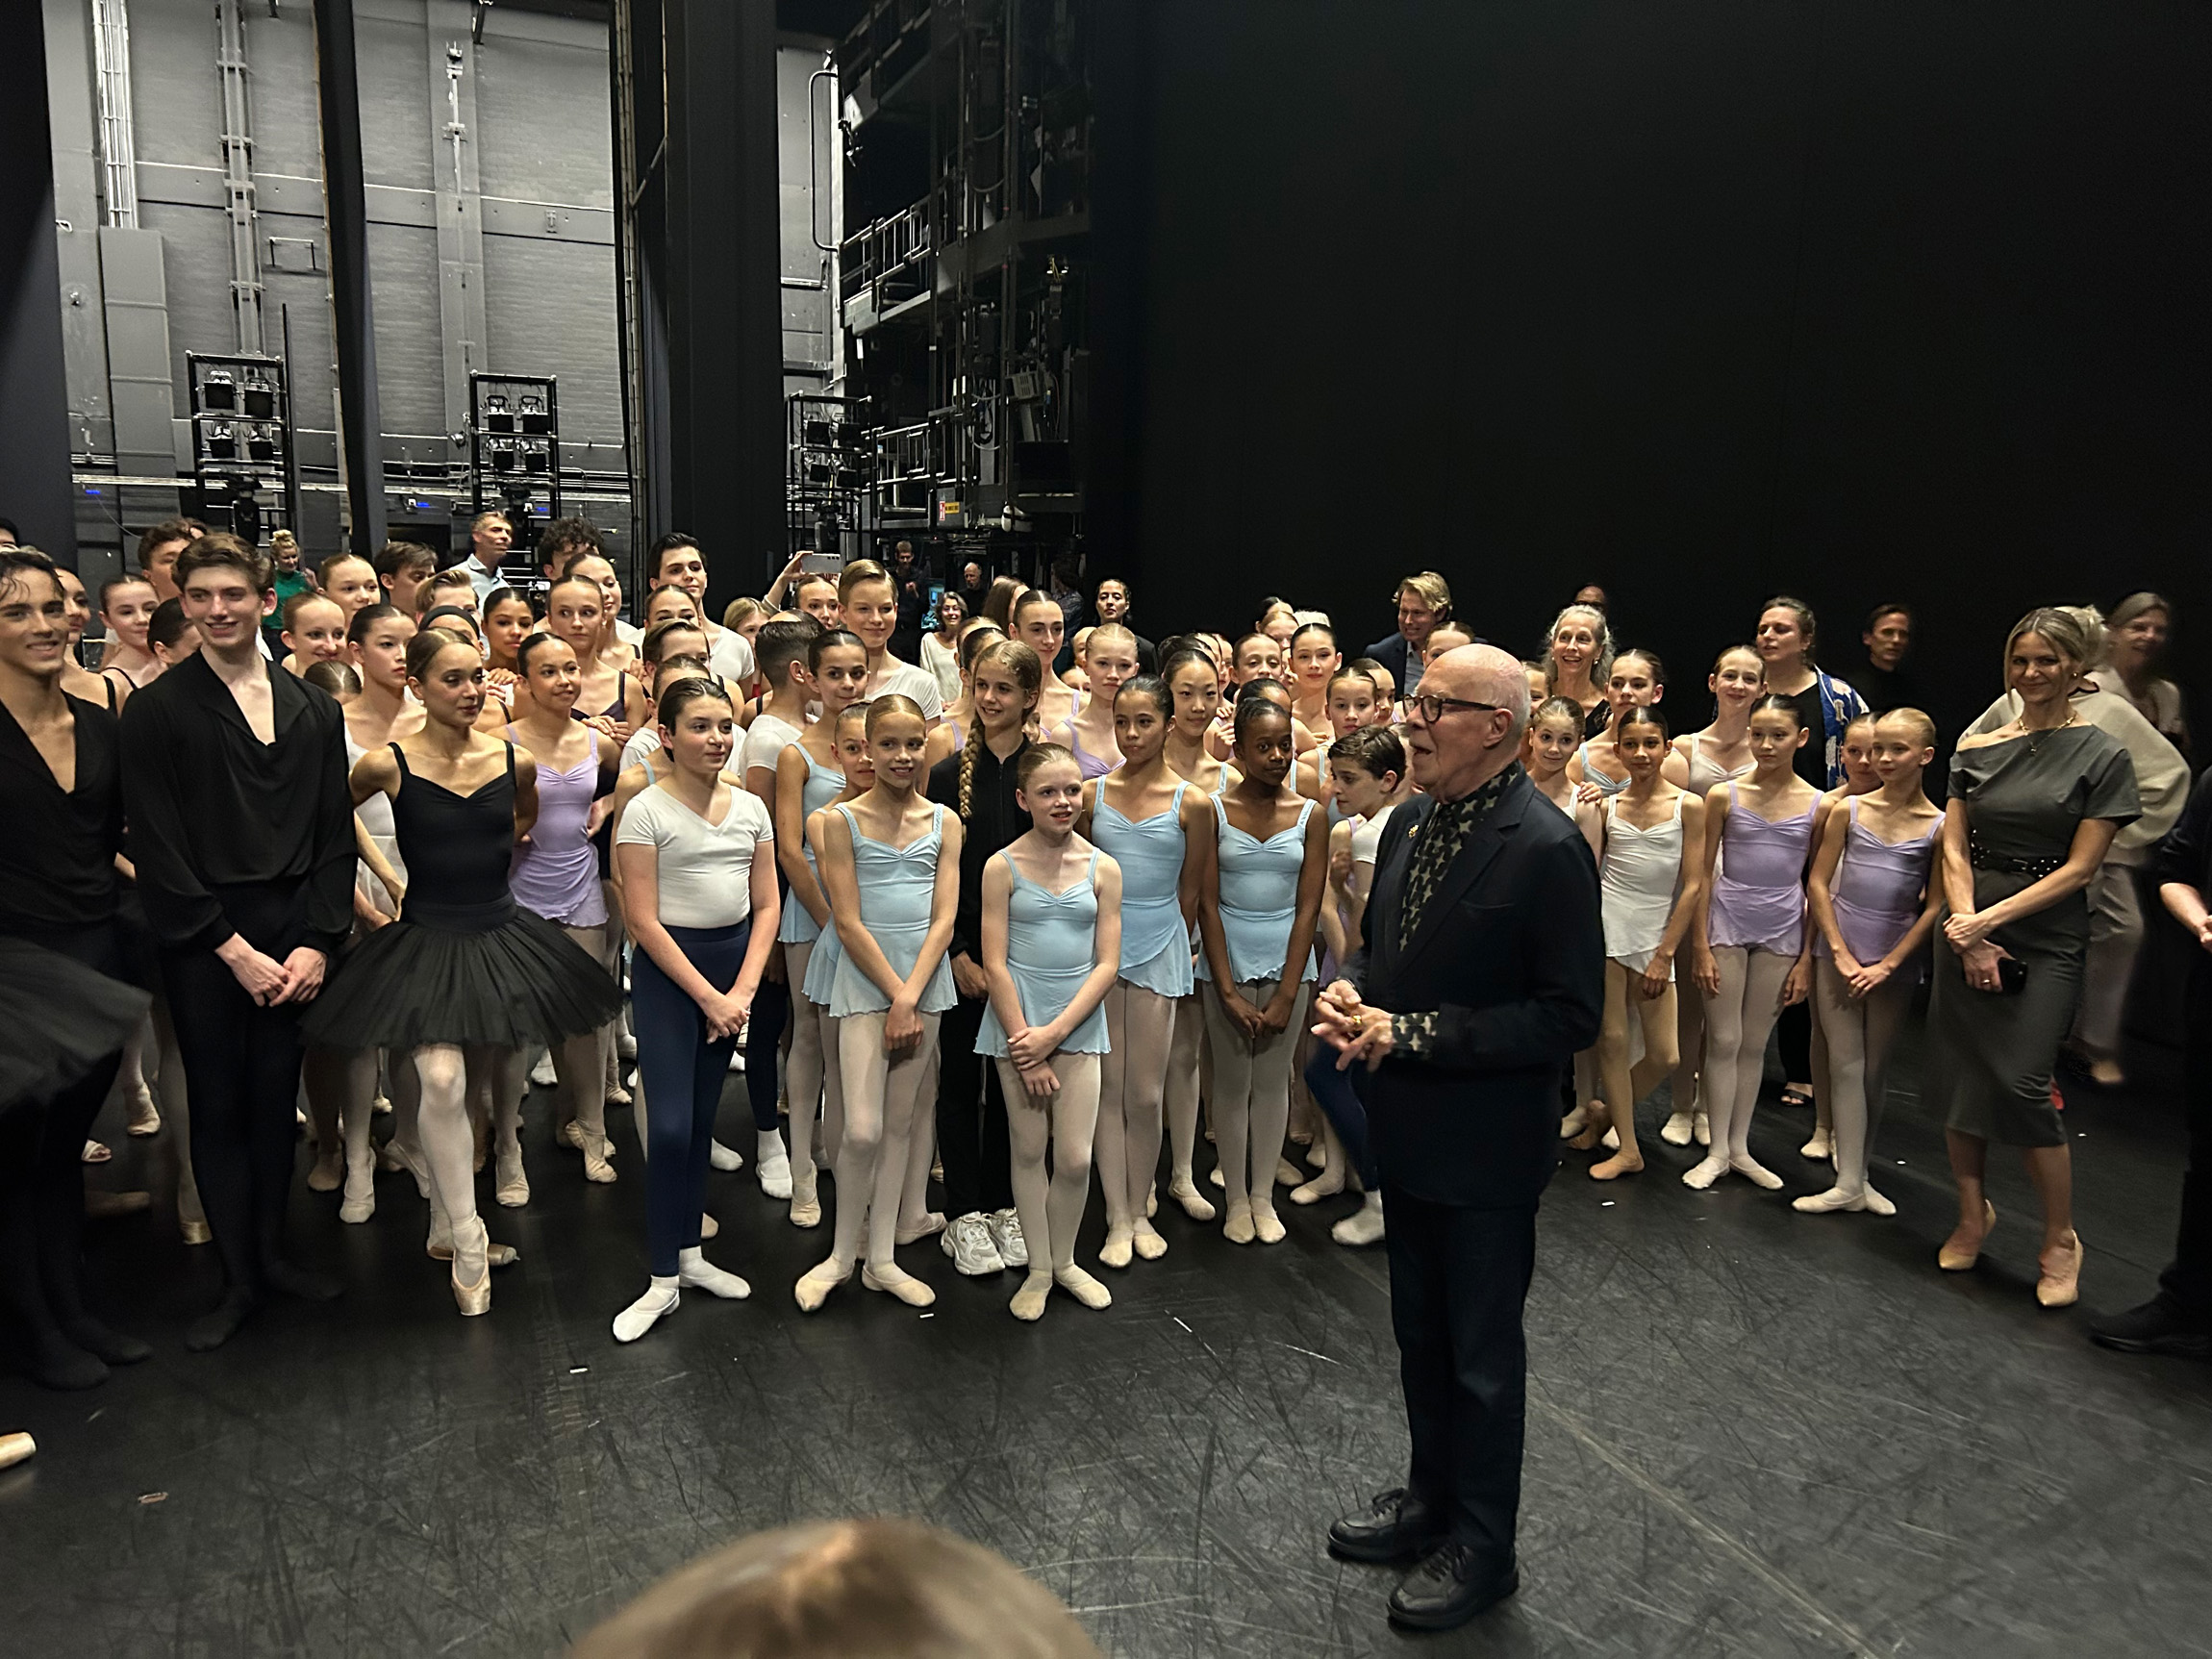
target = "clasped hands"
x: 271, y: 983
x: 1346, y: 1024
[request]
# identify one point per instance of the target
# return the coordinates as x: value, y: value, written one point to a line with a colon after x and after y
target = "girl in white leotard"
x: 1649, y: 892
x: 1636, y: 680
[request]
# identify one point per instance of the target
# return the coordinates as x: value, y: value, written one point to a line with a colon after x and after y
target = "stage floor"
x: 1751, y: 1431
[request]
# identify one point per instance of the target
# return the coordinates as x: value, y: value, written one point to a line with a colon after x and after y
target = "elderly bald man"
x: 1479, y: 976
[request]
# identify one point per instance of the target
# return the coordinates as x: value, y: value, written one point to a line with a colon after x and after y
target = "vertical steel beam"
x: 359, y: 419
x: 453, y: 134
x: 239, y: 173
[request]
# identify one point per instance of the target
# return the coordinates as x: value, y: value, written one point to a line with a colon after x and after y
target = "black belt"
x: 1981, y: 858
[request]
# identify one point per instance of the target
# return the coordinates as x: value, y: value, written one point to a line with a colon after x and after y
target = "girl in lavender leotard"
x: 1875, y: 907
x: 1750, y: 938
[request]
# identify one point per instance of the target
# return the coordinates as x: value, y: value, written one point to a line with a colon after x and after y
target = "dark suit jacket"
x: 1510, y: 954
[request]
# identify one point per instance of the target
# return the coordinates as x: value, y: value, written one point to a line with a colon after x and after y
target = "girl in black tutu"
x: 465, y: 977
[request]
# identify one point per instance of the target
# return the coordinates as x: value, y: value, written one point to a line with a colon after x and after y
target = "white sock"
x: 648, y: 1310
x: 723, y: 1157
x: 695, y: 1273
x: 768, y: 1149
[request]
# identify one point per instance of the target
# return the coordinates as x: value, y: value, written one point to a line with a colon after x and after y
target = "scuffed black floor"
x: 1751, y: 1432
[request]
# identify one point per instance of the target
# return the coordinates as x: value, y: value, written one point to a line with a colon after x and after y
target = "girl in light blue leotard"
x: 808, y: 779
x: 1259, y: 905
x: 1051, y: 947
x: 1138, y: 816
x: 890, y: 861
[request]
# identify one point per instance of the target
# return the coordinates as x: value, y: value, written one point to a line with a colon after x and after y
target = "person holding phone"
x: 2034, y: 805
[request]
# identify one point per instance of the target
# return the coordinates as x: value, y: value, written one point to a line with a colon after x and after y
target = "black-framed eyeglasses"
x: 1432, y: 708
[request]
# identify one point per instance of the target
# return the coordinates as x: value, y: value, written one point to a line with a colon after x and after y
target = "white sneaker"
x: 542, y: 1073
x: 1006, y: 1233
x: 1363, y: 1226
x: 969, y: 1242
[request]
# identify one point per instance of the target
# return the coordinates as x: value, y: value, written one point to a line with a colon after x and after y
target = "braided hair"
x: 1028, y: 673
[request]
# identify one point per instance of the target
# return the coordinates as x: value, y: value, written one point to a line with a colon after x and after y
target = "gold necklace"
x: 2072, y: 717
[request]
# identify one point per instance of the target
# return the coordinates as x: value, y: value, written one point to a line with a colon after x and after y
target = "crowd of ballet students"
x: 380, y: 837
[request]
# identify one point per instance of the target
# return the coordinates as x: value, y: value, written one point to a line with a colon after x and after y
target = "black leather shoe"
x: 2156, y: 1327
x: 1397, y: 1526
x: 1450, y: 1586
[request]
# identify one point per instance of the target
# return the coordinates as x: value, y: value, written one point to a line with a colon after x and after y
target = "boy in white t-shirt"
x: 781, y: 651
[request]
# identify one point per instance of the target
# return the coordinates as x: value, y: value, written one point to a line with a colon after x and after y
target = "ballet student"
x: 234, y: 777
x: 1750, y: 934
x: 77, y: 680
x: 402, y: 568
x: 314, y: 631
x: 1262, y: 871
x: 575, y: 613
x: 1195, y: 684
x: 1554, y: 734
x: 349, y: 579
x: 1088, y: 736
x: 618, y: 640
x: 1143, y: 817
x: 867, y: 601
x: 465, y: 978
x: 891, y: 861
x: 1041, y: 625
x: 1649, y: 879
x: 663, y: 643
x: 807, y: 780
x: 1699, y: 760
x: 1579, y: 663
x: 985, y: 1233
x: 1875, y: 907
x: 556, y: 877
x: 62, y: 818
x: 700, y: 890
x: 1635, y: 680
x: 1314, y: 662
x: 1051, y: 950
x: 127, y: 606
x: 1371, y: 780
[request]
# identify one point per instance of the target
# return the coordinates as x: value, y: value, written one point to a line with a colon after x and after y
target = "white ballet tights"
x: 1133, y: 1078
x: 1052, y: 1212
x: 1737, y: 1021
x: 449, y: 1077
x: 1251, y: 1100
x: 806, y: 1068
x: 1861, y: 1032
x: 880, y: 1093
x: 1180, y: 1094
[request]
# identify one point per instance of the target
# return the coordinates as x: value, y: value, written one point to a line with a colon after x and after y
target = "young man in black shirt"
x: 63, y: 956
x: 241, y: 827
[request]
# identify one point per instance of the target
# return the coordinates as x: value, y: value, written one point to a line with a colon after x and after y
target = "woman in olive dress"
x: 2034, y: 805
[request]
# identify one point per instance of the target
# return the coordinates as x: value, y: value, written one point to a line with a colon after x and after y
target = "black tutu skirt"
x: 63, y: 1019
x: 516, y: 984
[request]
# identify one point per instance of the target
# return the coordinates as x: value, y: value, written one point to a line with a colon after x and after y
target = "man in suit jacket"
x: 1424, y: 603
x: 1480, y: 975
